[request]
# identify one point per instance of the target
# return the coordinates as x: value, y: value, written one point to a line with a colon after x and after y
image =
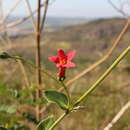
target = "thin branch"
x: 30, y: 13
x: 20, y: 21
x: 24, y: 74
x: 38, y: 60
x: 118, y: 116
x: 40, y: 26
x: 26, y: 80
x: 118, y: 9
x: 44, y: 15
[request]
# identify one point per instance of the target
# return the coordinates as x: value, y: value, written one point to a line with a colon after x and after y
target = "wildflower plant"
x: 63, y: 61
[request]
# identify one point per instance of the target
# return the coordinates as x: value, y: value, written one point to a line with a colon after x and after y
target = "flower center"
x: 63, y: 61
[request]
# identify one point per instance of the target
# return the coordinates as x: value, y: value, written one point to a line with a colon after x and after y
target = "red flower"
x: 63, y: 61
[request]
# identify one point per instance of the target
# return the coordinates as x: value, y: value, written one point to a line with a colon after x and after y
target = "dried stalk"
x: 27, y: 83
x: 38, y: 60
x: 118, y: 116
x: 26, y: 80
x: 118, y: 9
x: 20, y: 21
x: 44, y: 15
x: 40, y: 25
x: 30, y: 13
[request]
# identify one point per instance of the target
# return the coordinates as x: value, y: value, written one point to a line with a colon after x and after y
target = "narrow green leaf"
x: 59, y: 98
x: 45, y: 124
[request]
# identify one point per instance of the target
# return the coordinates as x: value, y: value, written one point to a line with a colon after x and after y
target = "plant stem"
x: 103, y: 76
x: 66, y: 90
x: 44, y: 15
x: 38, y: 38
x: 58, y: 120
x: 38, y: 60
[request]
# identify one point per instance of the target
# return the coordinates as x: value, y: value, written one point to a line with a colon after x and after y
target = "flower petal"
x: 54, y: 59
x: 69, y: 65
x: 61, y: 54
x: 71, y: 54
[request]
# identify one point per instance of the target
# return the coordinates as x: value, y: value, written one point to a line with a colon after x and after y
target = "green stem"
x: 58, y: 120
x: 66, y: 90
x: 103, y: 76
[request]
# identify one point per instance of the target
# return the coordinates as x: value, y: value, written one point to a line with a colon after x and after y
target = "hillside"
x: 96, y: 36
x: 93, y: 30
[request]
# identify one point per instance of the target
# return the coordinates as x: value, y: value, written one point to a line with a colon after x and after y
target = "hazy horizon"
x: 62, y: 8
x: 75, y: 17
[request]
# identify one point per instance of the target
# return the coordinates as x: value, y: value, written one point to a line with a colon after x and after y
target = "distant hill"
x: 92, y: 30
x: 86, y: 37
x: 94, y: 36
x: 60, y: 22
x: 52, y: 23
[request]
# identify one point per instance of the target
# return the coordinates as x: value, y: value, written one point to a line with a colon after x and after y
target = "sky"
x: 67, y: 8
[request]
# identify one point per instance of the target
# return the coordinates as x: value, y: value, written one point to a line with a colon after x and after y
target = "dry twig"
x: 20, y: 21
x: 118, y: 9
x: 30, y: 13
x: 38, y: 60
x: 118, y: 116
x: 44, y: 15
